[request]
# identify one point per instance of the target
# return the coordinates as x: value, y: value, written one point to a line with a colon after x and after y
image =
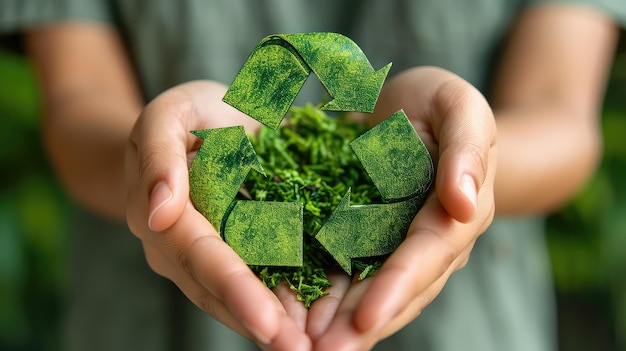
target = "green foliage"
x: 33, y: 218
x: 310, y: 161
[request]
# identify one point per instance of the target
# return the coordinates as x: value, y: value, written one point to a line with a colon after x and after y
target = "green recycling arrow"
x: 218, y: 170
x: 266, y: 233
x: 393, y: 155
x: 401, y: 168
x: 366, y: 230
x: 251, y: 228
x: 277, y: 68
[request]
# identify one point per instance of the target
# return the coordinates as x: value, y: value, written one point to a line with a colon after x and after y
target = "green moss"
x: 309, y: 160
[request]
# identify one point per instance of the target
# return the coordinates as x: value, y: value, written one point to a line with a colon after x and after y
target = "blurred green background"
x: 587, y: 238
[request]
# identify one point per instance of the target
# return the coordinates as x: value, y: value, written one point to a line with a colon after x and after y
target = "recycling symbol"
x: 269, y: 233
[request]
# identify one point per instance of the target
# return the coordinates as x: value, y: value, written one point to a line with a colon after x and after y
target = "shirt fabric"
x: 502, y: 299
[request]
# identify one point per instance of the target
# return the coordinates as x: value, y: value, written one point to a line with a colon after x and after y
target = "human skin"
x: 542, y: 116
x: 546, y: 100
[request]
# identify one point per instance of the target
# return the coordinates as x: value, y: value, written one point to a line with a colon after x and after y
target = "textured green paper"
x: 277, y: 68
x: 366, y: 230
x: 218, y: 170
x: 266, y: 233
x: 271, y: 233
x: 395, y: 158
x: 401, y: 168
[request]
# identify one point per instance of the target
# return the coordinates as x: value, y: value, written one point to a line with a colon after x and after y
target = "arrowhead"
x: 358, y: 94
x: 334, y: 236
x: 277, y: 68
x: 366, y: 230
x: 218, y: 170
x: 234, y: 138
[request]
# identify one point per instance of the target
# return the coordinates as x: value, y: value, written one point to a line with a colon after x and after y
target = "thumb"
x: 467, y: 136
x: 163, y: 209
x: 161, y: 141
x: 460, y: 176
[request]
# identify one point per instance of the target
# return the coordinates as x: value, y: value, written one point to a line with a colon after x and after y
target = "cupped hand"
x: 457, y: 126
x: 179, y: 243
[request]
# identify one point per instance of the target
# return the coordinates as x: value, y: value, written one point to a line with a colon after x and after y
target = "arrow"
x: 218, y: 170
x: 396, y: 159
x: 266, y: 233
x: 277, y: 68
x: 366, y: 231
x: 342, y: 68
x: 402, y: 170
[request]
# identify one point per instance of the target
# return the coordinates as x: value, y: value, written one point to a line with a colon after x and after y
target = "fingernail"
x: 468, y: 187
x: 161, y: 194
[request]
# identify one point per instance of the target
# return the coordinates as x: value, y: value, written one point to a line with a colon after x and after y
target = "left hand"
x: 457, y: 126
x: 178, y: 242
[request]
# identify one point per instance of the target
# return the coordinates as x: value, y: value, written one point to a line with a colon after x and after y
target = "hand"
x: 179, y: 243
x: 457, y: 125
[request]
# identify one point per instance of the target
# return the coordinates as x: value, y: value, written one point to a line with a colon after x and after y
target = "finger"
x: 204, y: 300
x: 432, y: 245
x: 294, y: 308
x: 162, y: 142
x: 194, y: 245
x: 323, y: 310
x: 195, y: 292
x: 342, y: 334
x: 209, y: 103
x: 160, y: 163
x: 465, y: 131
x: 457, y: 126
x: 243, y: 298
x: 285, y: 340
x: 415, y: 307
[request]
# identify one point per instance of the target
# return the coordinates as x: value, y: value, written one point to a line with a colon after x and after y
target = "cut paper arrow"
x: 271, y: 233
x: 366, y: 230
x: 402, y: 170
x: 266, y: 233
x: 277, y: 68
x: 218, y: 170
x: 262, y: 233
x: 395, y: 157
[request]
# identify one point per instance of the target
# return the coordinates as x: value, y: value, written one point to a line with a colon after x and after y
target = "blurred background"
x: 587, y: 238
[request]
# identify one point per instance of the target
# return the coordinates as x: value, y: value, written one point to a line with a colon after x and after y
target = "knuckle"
x: 134, y: 227
x: 478, y: 158
x: 154, y: 260
x: 154, y: 265
x: 463, y: 262
x: 149, y: 159
x: 184, y: 261
x: 188, y: 254
x: 207, y: 302
x: 449, y: 256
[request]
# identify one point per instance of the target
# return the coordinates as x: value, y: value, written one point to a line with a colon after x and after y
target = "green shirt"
x: 502, y: 300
